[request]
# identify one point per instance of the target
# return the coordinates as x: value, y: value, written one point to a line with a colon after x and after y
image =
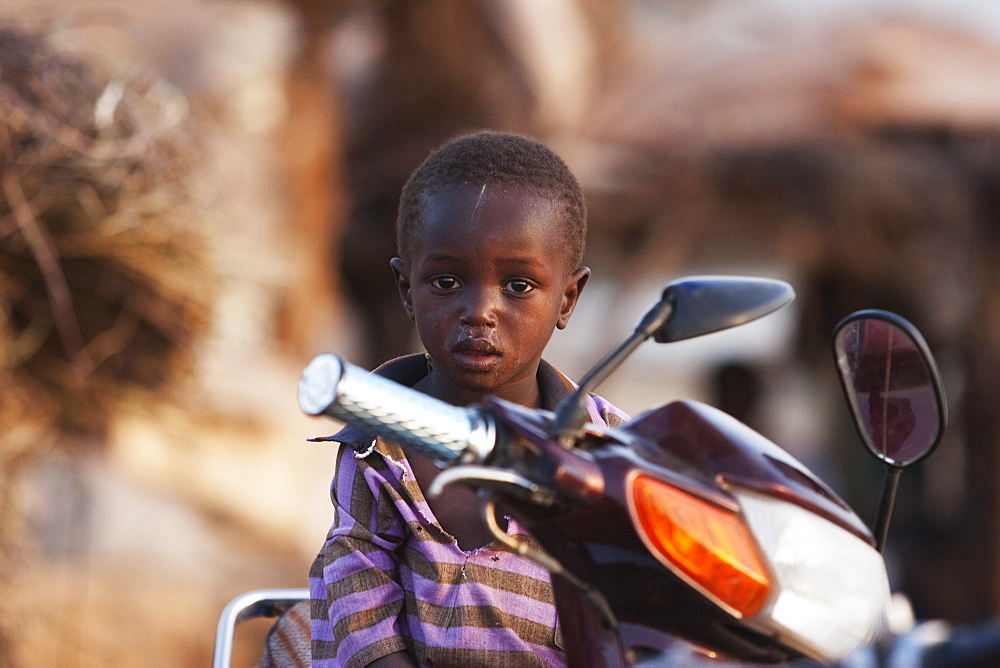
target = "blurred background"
x: 197, y: 197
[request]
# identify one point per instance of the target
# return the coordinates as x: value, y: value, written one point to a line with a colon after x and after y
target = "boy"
x: 490, y: 233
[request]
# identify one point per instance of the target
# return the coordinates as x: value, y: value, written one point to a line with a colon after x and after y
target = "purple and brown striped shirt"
x: 389, y: 578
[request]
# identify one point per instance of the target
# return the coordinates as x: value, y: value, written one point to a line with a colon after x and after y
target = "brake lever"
x: 493, y: 480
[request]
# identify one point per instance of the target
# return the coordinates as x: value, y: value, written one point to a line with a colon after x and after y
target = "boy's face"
x: 488, y: 280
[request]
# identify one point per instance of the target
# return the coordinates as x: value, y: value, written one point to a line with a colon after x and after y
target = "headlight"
x: 785, y: 571
x: 831, y: 591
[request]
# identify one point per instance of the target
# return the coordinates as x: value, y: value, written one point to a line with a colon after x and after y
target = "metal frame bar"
x: 250, y: 605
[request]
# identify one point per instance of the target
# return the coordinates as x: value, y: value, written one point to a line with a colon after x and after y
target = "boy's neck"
x: 441, y: 387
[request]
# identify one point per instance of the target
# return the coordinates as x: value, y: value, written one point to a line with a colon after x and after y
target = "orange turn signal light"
x: 708, y: 544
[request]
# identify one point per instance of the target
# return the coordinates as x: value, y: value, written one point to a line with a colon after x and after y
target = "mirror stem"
x: 885, y: 505
x: 571, y: 413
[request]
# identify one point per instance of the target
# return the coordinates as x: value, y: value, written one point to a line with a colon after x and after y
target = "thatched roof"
x: 771, y: 73
x: 102, y: 276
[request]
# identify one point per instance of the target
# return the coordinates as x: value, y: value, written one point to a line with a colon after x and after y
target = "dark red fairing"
x: 720, y: 447
x: 689, y: 445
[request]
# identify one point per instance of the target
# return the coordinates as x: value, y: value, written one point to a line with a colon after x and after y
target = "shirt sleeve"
x: 356, y: 596
x: 601, y: 410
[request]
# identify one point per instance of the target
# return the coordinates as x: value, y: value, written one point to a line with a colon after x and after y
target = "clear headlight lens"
x: 831, y: 589
x: 786, y: 571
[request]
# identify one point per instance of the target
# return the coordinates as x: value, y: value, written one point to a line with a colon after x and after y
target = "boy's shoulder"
x: 556, y: 386
x: 406, y: 370
x: 610, y: 414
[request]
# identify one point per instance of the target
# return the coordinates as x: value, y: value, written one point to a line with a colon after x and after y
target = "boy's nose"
x: 480, y: 308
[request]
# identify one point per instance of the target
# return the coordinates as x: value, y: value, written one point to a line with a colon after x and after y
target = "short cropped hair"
x: 501, y: 158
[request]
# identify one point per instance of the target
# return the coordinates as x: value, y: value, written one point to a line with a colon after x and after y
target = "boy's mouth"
x: 476, y: 354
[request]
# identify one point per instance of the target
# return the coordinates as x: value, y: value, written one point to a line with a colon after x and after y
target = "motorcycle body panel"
x: 593, y: 535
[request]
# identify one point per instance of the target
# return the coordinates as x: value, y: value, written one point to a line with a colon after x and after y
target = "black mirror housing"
x: 705, y: 304
x: 892, y: 386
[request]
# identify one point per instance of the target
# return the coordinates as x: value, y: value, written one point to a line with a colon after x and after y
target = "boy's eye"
x: 519, y: 286
x: 444, y: 282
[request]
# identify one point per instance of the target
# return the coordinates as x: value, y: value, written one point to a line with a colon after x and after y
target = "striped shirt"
x: 389, y: 578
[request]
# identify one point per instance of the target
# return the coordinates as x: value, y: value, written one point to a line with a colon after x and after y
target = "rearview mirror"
x: 894, y: 391
x: 687, y: 308
x: 705, y: 304
x: 892, y: 386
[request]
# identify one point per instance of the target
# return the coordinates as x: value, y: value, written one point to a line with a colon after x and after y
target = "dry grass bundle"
x: 103, y: 279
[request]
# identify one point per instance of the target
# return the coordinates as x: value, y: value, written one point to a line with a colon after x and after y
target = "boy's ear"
x: 402, y: 277
x: 571, y: 293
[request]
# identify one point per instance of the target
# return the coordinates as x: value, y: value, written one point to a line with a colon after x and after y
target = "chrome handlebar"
x: 436, y: 429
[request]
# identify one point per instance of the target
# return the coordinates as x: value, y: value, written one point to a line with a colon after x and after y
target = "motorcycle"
x: 681, y: 522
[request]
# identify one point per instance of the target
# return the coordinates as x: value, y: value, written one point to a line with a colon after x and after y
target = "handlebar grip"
x: 432, y: 427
